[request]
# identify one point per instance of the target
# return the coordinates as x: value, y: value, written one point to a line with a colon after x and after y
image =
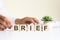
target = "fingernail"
x: 10, y: 26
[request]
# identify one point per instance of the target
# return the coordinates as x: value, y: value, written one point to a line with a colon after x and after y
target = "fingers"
x: 30, y: 20
x: 9, y: 25
x: 18, y: 21
x: 35, y: 20
x: 4, y: 21
x: 26, y: 20
x: 2, y: 18
x: 2, y: 27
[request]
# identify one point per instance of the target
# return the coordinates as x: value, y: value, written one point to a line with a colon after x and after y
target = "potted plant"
x: 46, y: 19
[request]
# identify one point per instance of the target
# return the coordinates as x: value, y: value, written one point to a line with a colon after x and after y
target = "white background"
x: 35, y: 8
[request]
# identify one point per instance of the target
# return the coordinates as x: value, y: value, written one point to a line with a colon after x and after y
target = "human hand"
x: 26, y: 20
x: 4, y: 23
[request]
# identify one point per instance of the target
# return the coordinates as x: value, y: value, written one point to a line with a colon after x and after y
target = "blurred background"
x: 33, y: 8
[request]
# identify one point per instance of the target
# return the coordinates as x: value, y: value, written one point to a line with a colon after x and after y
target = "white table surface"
x: 52, y: 34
